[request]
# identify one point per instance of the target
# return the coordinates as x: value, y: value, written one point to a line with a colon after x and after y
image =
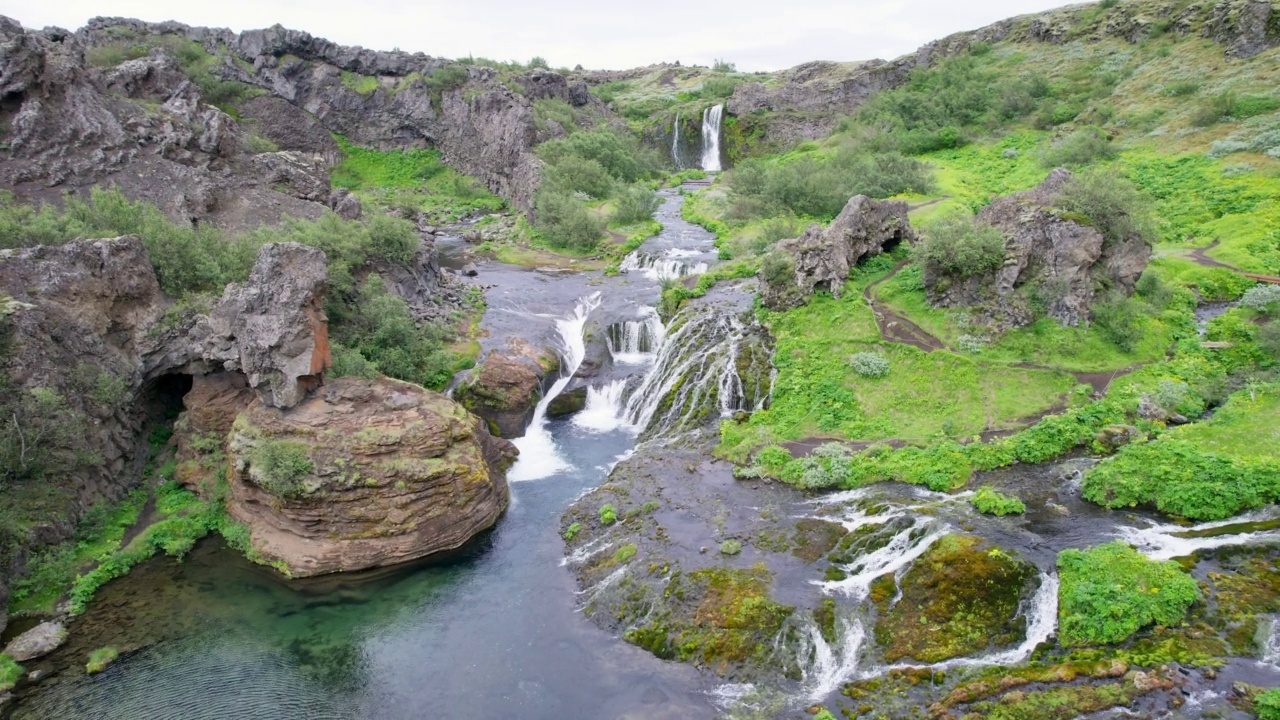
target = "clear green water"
x: 492, y: 634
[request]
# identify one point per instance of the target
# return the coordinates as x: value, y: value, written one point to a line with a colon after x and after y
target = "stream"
x: 497, y: 630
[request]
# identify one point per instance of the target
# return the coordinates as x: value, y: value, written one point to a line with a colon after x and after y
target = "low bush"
x: 1109, y: 203
x: 989, y: 501
x: 963, y: 246
x: 563, y: 221
x: 1111, y: 591
x: 608, y: 515
x: 635, y: 204
x: 10, y: 673
x: 281, y: 467
x: 1082, y: 147
x: 1267, y: 704
x: 572, y: 531
x: 625, y: 553
x: 869, y: 365
x: 1263, y: 298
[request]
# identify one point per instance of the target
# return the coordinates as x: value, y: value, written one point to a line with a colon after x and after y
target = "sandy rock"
x: 396, y: 473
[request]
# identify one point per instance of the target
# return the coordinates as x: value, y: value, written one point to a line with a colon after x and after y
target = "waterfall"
x: 697, y: 373
x: 1270, y: 641
x: 657, y: 269
x: 539, y: 456
x: 675, y: 143
x: 1164, y: 541
x: 711, y: 138
x: 603, y: 411
x: 633, y: 342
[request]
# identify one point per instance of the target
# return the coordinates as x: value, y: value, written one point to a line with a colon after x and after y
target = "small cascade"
x: 711, y: 138
x: 1164, y: 541
x: 657, y: 269
x: 675, y: 143
x: 603, y: 411
x: 633, y: 342
x: 539, y: 456
x: 710, y: 365
x: 1270, y: 641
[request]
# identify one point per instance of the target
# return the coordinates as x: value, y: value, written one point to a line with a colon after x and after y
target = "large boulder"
x: 364, y: 474
x: 37, y: 642
x: 822, y: 258
x: 1051, y: 252
x: 503, y: 390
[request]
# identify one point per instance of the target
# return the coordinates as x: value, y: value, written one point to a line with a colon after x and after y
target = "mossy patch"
x: 814, y: 538
x: 960, y: 597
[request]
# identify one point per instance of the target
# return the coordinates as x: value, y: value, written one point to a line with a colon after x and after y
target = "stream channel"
x: 497, y: 630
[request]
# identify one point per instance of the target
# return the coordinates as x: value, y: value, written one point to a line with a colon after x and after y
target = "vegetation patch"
x: 101, y: 658
x: 958, y: 598
x: 1111, y: 591
x: 10, y: 672
x: 989, y: 501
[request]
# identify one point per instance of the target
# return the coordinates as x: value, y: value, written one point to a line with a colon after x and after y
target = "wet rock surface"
x: 504, y: 391
x: 36, y: 642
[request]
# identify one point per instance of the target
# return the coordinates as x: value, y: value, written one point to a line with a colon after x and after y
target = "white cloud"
x: 755, y: 35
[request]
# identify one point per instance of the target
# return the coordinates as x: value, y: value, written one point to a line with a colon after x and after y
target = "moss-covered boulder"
x: 960, y: 597
x: 364, y: 474
x: 504, y: 391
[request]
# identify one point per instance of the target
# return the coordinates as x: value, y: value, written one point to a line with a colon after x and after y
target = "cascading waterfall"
x: 1164, y: 541
x: 696, y: 373
x: 633, y: 342
x: 675, y: 143
x: 603, y: 409
x: 1271, y: 642
x: 670, y: 267
x: 539, y: 456
x: 711, y: 138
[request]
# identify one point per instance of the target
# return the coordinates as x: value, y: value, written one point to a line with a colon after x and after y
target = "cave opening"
x: 161, y: 397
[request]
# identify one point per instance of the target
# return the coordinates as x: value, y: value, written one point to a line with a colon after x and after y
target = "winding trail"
x: 1200, y: 257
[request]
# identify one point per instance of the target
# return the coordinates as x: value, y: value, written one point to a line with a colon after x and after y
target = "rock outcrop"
x: 381, y: 472
x: 1064, y: 261
x: 37, y: 642
x: 822, y: 258
x: 504, y: 391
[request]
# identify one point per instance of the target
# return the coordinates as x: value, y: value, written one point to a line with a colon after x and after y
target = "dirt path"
x: 1200, y: 257
x: 896, y: 328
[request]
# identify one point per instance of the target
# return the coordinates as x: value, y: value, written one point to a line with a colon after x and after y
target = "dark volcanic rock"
x: 822, y: 258
x: 1065, y: 261
x: 504, y: 391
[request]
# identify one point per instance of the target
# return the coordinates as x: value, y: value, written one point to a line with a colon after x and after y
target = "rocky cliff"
x: 1066, y: 262
x: 822, y: 258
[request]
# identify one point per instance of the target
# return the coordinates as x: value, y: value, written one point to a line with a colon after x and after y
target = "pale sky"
x: 604, y: 35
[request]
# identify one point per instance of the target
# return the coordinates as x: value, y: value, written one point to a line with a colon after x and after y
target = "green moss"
x: 989, y: 501
x: 99, y: 659
x: 10, y: 672
x: 1111, y: 591
x: 363, y: 84
x: 572, y: 531
x: 608, y: 514
x: 625, y: 553
x: 958, y: 598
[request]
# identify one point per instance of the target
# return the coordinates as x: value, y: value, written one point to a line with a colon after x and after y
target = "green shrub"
x: 1263, y: 298
x: 963, y: 246
x: 1267, y: 704
x: 10, y: 672
x: 635, y: 204
x: 1119, y: 321
x: 576, y: 174
x: 1269, y: 338
x: 1109, y: 592
x: 869, y: 364
x: 378, y: 334
x: 1111, y: 204
x: 730, y: 547
x: 282, y: 465
x: 572, y: 531
x: 1086, y: 145
x: 565, y: 222
x: 608, y: 515
x: 99, y: 659
x: 989, y: 501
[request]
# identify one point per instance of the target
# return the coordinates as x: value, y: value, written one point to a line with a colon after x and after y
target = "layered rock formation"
x: 1066, y: 262
x: 387, y: 472
x: 504, y: 390
x: 822, y: 258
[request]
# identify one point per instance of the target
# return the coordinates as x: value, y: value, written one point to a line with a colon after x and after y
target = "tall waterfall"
x: 675, y: 143
x: 711, y: 138
x: 539, y: 456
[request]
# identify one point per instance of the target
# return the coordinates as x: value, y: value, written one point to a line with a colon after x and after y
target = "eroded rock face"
x: 822, y: 258
x: 1064, y: 261
x: 392, y: 473
x: 504, y: 391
